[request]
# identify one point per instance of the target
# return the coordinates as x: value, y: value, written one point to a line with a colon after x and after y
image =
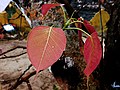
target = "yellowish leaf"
x: 95, y: 21
x: 19, y: 21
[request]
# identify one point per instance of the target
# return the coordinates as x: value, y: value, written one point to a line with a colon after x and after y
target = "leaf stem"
x: 64, y: 13
x: 66, y: 24
x: 78, y: 29
x: 76, y: 22
x: 88, y: 83
x: 72, y: 14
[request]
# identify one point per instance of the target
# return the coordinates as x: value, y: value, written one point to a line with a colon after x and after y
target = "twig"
x: 24, y: 72
x: 13, y: 56
x: 22, y: 80
x: 28, y: 84
x: 8, y: 51
x: 12, y: 49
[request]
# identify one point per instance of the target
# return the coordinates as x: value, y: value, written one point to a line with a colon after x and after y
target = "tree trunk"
x: 111, y: 63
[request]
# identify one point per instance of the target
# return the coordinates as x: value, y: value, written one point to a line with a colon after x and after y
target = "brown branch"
x: 13, y: 56
x: 28, y: 84
x: 23, y: 79
x: 12, y: 49
x: 8, y: 51
x: 24, y: 72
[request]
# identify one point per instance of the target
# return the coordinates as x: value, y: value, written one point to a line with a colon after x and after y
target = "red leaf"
x: 45, y: 46
x: 89, y: 27
x: 92, y: 53
x: 46, y: 7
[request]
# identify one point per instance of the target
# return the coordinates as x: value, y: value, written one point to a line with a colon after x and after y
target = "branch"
x: 28, y: 84
x: 12, y: 49
x: 24, y: 72
x: 13, y: 56
x: 23, y: 78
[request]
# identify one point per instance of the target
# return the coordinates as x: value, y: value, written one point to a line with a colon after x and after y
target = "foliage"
x: 17, y: 18
x: 92, y: 53
x: 46, y: 7
x: 14, y: 16
x: 46, y: 44
x: 95, y: 21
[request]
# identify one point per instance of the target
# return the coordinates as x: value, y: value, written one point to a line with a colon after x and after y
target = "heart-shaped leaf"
x: 45, y: 45
x: 46, y: 7
x: 92, y: 53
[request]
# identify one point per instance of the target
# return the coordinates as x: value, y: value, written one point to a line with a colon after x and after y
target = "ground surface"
x: 12, y: 68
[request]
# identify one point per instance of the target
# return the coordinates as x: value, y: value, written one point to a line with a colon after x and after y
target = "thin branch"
x: 24, y: 72
x: 13, y: 56
x: 8, y: 51
x: 28, y: 84
x: 22, y: 80
x: 78, y: 29
x: 12, y: 49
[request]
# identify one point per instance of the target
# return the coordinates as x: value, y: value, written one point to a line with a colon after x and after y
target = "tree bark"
x: 111, y: 63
